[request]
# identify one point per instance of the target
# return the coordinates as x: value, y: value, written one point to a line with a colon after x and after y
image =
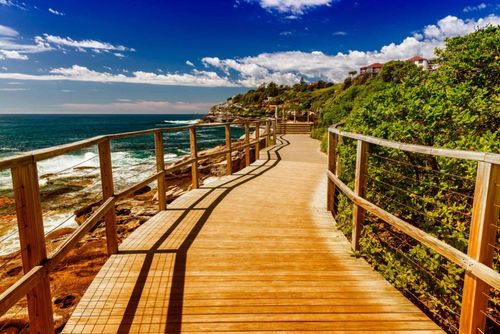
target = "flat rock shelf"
x: 255, y: 251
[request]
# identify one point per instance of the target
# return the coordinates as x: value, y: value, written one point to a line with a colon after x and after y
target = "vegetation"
x: 456, y: 106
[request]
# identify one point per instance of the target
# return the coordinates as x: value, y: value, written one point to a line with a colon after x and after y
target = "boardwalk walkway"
x: 254, y: 251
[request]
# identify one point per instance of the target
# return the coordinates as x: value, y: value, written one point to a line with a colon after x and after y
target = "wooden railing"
x: 479, y: 276
x: 37, y: 264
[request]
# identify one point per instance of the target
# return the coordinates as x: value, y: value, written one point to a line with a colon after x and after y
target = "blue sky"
x: 76, y: 56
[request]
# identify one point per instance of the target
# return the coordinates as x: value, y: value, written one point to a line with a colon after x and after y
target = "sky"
x: 166, y: 56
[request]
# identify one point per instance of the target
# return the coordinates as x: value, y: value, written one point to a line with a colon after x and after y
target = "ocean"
x: 133, y: 159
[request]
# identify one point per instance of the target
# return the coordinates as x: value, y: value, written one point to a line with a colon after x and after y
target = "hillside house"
x: 372, y: 69
x: 426, y: 64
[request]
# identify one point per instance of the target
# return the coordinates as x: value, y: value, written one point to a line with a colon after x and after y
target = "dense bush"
x: 456, y: 106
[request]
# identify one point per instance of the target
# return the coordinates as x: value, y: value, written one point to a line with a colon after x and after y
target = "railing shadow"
x: 176, y: 298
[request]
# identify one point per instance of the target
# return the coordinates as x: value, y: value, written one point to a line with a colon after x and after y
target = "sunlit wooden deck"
x: 254, y: 251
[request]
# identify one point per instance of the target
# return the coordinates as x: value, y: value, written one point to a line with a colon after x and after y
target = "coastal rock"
x: 59, y: 233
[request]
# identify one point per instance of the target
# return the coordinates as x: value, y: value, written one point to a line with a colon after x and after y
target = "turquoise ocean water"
x: 133, y: 159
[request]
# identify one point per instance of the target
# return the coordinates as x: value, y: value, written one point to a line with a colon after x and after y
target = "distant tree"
x: 272, y: 89
x: 352, y: 73
x: 347, y: 83
x: 396, y: 71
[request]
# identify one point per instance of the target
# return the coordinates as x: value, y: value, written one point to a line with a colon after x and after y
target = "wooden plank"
x: 358, y: 213
x: 212, y: 262
x: 332, y: 165
x: 482, y: 235
x: 106, y: 169
x: 86, y: 226
x: 23, y: 286
x: 160, y: 167
x: 229, y: 159
x: 32, y: 243
x: 194, y: 155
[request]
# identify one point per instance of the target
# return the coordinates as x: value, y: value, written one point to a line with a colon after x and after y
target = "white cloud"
x: 339, y: 33
x: 126, y: 106
x: 80, y: 73
x: 6, y: 54
x: 285, y: 33
x: 296, y: 7
x: 189, y: 63
x: 481, y: 6
x: 56, y: 12
x: 7, y: 31
x: 13, y: 47
x: 287, y: 67
x: 11, y: 3
x: 10, y: 48
x: 281, y: 67
x: 81, y: 45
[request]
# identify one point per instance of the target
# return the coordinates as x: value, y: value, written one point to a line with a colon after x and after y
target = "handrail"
x: 36, y: 264
x: 429, y: 150
x: 479, y: 276
x: 53, y: 151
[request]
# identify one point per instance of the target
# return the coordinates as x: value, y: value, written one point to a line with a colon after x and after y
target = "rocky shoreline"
x: 75, y: 272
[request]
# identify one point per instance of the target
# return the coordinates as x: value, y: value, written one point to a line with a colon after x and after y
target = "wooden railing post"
x: 229, y: 159
x: 332, y: 167
x: 268, y: 135
x: 358, y: 213
x: 194, y: 155
x: 257, y: 140
x: 274, y: 130
x: 160, y: 166
x: 32, y: 240
x: 247, y: 144
x: 107, y: 192
x: 482, y: 234
x: 283, y: 123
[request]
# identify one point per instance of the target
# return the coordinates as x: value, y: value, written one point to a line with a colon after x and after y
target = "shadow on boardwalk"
x: 174, y: 315
x: 253, y: 251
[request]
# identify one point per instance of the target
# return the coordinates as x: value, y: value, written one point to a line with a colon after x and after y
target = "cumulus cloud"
x: 481, y: 6
x: 295, y: 7
x: 11, y: 3
x: 12, y: 46
x: 189, y: 63
x: 81, y: 73
x: 82, y: 45
x: 126, y: 105
x: 6, y: 54
x: 7, y: 31
x: 56, y: 12
x: 287, y: 67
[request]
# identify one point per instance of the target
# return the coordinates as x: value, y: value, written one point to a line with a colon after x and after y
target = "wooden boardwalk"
x: 255, y: 251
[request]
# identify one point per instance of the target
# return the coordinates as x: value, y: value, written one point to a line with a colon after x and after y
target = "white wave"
x: 185, y: 121
x: 51, y: 222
